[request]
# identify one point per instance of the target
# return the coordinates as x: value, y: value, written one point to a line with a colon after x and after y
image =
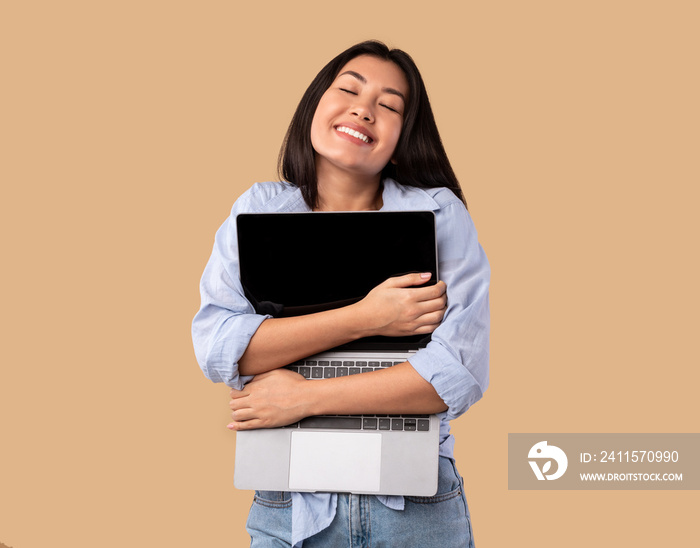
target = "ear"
x: 393, y: 161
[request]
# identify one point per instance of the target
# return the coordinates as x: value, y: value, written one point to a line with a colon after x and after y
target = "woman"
x: 363, y: 138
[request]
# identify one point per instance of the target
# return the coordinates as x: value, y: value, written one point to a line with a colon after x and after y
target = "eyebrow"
x: 362, y: 79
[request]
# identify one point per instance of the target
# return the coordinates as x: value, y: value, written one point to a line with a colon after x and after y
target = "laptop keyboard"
x: 314, y: 369
x: 320, y: 369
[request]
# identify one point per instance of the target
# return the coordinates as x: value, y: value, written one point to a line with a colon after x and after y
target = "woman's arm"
x: 276, y: 397
x: 394, y: 308
x: 283, y: 397
x: 456, y: 360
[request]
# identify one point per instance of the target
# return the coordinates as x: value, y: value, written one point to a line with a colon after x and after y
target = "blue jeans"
x: 361, y: 521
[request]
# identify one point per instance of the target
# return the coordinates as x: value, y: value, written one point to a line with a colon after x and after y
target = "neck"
x: 349, y: 194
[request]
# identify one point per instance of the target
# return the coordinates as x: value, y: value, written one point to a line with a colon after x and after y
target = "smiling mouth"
x: 353, y: 133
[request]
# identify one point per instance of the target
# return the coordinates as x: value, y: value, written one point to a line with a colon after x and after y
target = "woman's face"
x: 358, y: 120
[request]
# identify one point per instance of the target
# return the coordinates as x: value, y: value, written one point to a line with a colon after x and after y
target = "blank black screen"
x: 298, y: 263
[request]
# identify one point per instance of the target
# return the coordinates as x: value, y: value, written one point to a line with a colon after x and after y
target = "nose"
x: 363, y: 111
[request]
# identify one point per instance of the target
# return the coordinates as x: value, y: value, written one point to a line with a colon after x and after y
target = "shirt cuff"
x: 232, y: 341
x: 453, y: 382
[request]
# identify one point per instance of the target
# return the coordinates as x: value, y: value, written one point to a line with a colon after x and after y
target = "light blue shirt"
x: 455, y: 362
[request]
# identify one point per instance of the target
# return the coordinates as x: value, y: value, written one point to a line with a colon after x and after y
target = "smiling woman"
x: 362, y: 138
x: 419, y: 159
x: 356, y: 127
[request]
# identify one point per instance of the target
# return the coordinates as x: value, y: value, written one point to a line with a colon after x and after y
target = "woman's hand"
x: 397, y: 308
x: 271, y: 399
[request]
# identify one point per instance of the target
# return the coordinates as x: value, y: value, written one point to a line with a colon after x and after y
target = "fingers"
x: 435, y: 292
x: 243, y: 418
x: 268, y: 400
x: 236, y: 405
x: 428, y: 311
x: 252, y: 424
x: 430, y: 307
x: 427, y: 323
x: 431, y: 317
x: 426, y: 328
x: 408, y: 280
x: 432, y: 292
x: 236, y: 394
x: 429, y: 299
x: 406, y: 308
x: 244, y: 414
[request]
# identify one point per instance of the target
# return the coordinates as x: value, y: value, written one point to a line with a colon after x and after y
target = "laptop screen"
x: 300, y: 263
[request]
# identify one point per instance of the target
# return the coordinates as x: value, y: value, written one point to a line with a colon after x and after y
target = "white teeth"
x: 354, y: 133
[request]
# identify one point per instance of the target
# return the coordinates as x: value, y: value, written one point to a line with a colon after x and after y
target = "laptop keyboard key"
x: 342, y: 423
x: 369, y: 424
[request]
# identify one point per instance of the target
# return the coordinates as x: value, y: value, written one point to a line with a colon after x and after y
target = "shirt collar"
x: 395, y: 197
x: 398, y: 197
x: 291, y: 200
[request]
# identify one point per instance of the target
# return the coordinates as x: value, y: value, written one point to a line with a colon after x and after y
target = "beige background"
x: 129, y: 128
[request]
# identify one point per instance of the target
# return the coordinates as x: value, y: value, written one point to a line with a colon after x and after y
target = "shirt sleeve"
x: 226, y: 321
x: 456, y: 360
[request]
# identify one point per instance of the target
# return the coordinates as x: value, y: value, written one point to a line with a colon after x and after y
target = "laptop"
x: 298, y: 263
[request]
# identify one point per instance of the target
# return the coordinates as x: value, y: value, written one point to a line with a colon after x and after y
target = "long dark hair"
x: 420, y: 159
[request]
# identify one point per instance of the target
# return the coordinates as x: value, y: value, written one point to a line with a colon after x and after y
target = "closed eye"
x: 348, y: 91
x: 388, y: 107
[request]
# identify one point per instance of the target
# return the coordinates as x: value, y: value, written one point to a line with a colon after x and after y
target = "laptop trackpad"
x: 335, y: 461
